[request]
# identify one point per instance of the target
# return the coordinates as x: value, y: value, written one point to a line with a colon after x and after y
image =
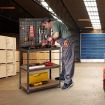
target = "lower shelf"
x: 50, y: 84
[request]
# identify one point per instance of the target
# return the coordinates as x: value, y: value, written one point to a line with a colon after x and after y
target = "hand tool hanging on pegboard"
x: 43, y: 37
x: 32, y: 35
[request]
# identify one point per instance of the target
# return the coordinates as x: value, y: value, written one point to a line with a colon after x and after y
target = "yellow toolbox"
x: 38, y: 77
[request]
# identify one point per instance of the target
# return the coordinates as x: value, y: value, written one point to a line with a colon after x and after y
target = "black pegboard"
x: 25, y: 25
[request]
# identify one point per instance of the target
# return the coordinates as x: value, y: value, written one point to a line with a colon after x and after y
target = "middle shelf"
x: 24, y: 67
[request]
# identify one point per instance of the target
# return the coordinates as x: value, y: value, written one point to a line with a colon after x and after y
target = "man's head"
x: 47, y: 23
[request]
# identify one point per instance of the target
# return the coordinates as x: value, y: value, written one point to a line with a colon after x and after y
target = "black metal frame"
x: 28, y: 90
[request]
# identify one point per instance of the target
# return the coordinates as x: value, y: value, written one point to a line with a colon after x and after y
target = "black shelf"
x: 31, y: 34
x: 50, y: 84
x: 24, y: 67
x: 42, y: 49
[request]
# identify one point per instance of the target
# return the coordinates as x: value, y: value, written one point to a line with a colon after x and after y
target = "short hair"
x: 47, y: 19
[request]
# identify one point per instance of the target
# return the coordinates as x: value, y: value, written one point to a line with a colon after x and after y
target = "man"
x: 61, y: 34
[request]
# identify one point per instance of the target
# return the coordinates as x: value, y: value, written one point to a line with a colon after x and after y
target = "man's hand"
x: 50, y: 39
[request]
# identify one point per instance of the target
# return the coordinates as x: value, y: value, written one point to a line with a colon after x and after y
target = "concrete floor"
x: 87, y: 89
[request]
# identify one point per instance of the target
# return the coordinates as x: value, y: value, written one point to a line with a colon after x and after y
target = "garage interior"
x: 89, y: 77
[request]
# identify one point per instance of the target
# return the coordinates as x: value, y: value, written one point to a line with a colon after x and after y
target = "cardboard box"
x: 10, y: 56
x: 10, y: 43
x: 17, y: 55
x: 2, y: 42
x: 2, y: 70
x: 2, y: 56
x: 11, y: 69
x: 17, y: 66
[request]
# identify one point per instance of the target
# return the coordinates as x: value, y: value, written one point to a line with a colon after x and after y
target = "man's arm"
x: 55, y: 35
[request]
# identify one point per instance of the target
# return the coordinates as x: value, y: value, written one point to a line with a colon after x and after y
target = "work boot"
x: 65, y: 86
x: 60, y: 78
